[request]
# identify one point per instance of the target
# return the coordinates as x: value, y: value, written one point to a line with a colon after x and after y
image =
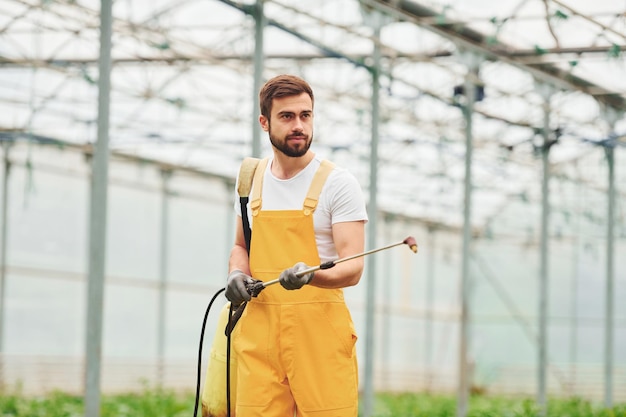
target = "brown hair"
x: 282, y: 86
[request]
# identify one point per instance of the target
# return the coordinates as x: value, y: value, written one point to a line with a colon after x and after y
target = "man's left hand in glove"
x: 291, y: 281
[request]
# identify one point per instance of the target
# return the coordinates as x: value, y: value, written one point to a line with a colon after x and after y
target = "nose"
x: 297, y: 125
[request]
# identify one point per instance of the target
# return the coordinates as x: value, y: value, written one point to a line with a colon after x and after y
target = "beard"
x: 295, y: 151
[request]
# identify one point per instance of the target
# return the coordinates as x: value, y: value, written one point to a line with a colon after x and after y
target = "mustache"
x: 298, y: 135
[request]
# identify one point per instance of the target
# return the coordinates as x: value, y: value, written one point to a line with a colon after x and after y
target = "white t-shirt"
x: 341, y: 200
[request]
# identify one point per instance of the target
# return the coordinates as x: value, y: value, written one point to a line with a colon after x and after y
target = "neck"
x: 285, y: 167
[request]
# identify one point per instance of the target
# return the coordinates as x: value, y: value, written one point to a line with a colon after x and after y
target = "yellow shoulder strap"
x: 255, y: 198
x: 246, y: 173
x: 310, y: 202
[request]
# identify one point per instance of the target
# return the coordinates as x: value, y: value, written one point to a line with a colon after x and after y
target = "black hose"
x: 206, y: 315
x: 228, y: 333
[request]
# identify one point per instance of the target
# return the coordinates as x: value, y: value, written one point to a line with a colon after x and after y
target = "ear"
x: 265, y: 124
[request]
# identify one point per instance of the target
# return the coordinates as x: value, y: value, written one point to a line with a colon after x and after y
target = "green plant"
x: 166, y: 403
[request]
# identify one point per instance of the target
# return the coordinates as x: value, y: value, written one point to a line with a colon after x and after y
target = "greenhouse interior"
x: 494, y: 133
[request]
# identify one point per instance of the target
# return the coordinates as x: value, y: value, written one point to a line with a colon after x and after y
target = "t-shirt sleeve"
x: 347, y: 203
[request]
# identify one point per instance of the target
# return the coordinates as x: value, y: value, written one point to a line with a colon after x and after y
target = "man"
x: 295, y: 343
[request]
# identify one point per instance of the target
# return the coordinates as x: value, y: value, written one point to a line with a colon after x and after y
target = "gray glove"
x: 236, y: 290
x: 290, y: 281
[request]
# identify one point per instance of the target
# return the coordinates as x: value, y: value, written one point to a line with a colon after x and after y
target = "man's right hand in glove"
x: 236, y: 287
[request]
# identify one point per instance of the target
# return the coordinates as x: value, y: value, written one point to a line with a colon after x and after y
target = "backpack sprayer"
x: 255, y: 289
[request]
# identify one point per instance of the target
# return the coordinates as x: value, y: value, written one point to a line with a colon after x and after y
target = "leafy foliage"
x: 423, y: 405
x: 164, y: 403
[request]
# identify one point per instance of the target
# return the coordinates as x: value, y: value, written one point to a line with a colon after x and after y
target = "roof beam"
x: 201, y: 60
x: 526, y: 56
x: 467, y: 38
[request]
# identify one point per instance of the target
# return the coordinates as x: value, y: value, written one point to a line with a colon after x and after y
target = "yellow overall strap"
x: 312, y: 196
x: 246, y: 173
x: 310, y: 202
x: 255, y: 198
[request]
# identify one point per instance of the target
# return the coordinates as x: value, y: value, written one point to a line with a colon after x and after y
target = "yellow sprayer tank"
x: 214, y: 391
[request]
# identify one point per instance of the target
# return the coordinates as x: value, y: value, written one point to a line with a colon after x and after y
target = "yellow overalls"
x: 295, y: 349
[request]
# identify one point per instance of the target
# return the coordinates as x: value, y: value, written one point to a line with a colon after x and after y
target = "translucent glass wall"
x: 45, y: 295
x: 182, y: 238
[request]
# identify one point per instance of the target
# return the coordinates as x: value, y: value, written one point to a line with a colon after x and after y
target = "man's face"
x: 291, y: 126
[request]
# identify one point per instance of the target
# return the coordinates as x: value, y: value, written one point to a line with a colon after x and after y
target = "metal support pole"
x: 368, y: 391
x: 386, y: 311
x: 612, y: 116
x: 258, y: 76
x: 97, y: 220
x: 542, y: 363
x: 573, y: 344
x: 163, y: 265
x: 429, y: 298
x: 466, y: 284
x: 610, y: 282
x: 3, y: 251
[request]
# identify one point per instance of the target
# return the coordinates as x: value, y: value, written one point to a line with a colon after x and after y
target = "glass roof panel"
x: 183, y: 72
